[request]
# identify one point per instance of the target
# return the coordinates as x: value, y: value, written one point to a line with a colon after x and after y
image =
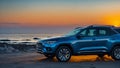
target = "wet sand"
x: 35, y: 60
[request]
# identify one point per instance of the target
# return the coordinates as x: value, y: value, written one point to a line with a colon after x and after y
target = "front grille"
x: 39, y: 47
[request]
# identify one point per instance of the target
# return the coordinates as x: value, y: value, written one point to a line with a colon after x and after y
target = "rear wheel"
x: 49, y: 55
x: 63, y: 54
x: 115, y: 54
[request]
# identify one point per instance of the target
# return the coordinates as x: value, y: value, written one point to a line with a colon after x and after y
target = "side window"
x: 83, y: 32
x: 106, y: 32
x: 92, y: 32
x: 102, y: 32
x: 89, y: 32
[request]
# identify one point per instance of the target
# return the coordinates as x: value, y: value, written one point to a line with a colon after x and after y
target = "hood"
x: 62, y: 38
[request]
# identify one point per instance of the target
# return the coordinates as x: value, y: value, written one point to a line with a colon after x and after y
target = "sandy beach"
x: 32, y: 59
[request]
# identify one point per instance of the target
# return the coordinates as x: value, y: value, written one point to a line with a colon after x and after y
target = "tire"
x: 101, y: 55
x: 115, y: 54
x: 63, y: 54
x: 49, y: 55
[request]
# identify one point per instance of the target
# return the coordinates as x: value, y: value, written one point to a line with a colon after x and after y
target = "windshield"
x: 74, y: 32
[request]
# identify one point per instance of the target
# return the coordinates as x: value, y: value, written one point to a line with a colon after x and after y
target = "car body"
x: 94, y: 39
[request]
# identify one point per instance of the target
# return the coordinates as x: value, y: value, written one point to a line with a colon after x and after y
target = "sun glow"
x: 112, y: 20
x: 116, y: 23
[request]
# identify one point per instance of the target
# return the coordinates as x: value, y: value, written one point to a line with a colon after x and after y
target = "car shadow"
x: 46, y: 59
x: 85, y: 58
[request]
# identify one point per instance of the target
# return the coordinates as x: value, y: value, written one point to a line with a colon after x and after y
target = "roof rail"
x: 101, y: 26
x: 78, y: 27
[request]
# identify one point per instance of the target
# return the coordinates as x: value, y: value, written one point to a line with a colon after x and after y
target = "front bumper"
x: 43, y: 49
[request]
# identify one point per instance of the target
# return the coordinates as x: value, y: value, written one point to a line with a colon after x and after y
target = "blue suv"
x: 90, y: 40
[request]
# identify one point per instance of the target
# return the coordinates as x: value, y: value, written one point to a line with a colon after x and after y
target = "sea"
x: 27, y: 37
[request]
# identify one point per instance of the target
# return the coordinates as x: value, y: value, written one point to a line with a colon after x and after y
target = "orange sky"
x: 59, y: 13
x: 63, y: 18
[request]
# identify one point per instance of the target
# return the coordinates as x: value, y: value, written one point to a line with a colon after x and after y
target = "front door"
x: 87, y: 42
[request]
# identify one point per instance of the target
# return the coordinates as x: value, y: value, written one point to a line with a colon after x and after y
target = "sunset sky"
x: 51, y: 16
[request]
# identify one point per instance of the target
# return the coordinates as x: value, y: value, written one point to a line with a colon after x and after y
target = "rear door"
x: 103, y: 38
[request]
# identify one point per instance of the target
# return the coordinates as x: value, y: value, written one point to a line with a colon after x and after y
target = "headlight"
x: 50, y: 42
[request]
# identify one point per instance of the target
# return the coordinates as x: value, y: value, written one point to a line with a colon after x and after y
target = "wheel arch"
x: 65, y: 44
x: 115, y: 45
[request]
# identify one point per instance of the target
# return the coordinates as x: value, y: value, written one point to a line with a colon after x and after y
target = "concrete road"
x: 35, y: 60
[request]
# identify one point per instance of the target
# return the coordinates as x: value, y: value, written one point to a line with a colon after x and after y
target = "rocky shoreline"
x: 15, y: 46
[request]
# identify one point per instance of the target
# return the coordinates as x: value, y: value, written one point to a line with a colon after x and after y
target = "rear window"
x: 118, y: 30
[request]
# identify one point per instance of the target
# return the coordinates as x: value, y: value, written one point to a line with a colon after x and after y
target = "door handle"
x: 93, y: 39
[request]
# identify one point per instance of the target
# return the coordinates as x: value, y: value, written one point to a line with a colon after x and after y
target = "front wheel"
x: 63, y: 54
x: 115, y: 54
